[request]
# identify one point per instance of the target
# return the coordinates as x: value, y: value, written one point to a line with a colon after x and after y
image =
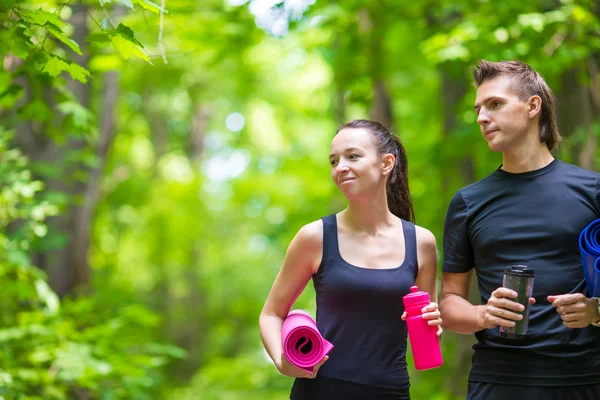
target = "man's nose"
x: 482, y: 118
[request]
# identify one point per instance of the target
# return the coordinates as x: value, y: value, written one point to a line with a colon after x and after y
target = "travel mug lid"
x: 519, y: 270
x: 415, y: 297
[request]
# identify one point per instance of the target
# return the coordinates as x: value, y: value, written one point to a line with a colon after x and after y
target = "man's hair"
x: 526, y: 83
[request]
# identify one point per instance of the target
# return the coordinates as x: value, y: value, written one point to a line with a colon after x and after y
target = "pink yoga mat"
x: 303, y: 344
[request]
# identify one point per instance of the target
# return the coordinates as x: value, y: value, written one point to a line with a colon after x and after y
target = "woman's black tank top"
x: 359, y: 310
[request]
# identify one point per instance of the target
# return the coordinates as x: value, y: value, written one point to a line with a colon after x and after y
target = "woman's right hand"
x: 288, y: 369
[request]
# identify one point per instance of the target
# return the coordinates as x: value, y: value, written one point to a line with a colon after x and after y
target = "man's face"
x: 503, y: 118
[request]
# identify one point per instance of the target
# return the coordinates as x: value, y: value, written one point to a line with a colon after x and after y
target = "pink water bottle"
x: 424, y: 341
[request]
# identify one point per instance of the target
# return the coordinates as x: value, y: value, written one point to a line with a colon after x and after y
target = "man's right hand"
x: 501, y: 309
x: 288, y: 369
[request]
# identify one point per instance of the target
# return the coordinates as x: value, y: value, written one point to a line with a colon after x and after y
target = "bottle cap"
x: 520, y: 270
x: 415, y: 297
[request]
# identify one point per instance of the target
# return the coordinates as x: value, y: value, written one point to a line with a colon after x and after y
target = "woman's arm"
x: 428, y: 260
x: 427, y: 277
x: 301, y: 261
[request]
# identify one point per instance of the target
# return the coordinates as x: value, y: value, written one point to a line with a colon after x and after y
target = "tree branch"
x: 160, y: 33
x: 106, y: 14
x: 91, y: 16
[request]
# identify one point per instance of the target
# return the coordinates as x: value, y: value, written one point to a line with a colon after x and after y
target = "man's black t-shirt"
x: 534, y: 219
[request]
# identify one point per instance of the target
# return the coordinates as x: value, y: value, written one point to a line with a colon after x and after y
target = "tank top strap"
x: 410, y: 240
x: 330, y: 241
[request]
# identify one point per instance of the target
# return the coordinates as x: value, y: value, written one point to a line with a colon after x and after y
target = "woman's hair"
x: 398, y: 194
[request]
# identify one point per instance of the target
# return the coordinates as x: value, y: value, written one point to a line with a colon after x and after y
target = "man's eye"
x: 333, y: 162
x: 353, y: 156
x: 495, y: 104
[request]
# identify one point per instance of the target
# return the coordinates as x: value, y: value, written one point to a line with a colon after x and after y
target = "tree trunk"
x: 381, y: 110
x: 369, y: 26
x: 199, y: 130
x: 40, y: 148
x: 67, y: 266
x: 81, y: 225
x: 340, y: 104
x: 577, y: 108
x: 454, y: 87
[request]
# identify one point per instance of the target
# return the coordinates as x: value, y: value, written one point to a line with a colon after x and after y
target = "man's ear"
x: 535, y: 106
x: 388, y: 163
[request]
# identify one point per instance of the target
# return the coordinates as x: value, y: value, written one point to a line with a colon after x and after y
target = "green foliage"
x: 50, y: 350
x: 54, y: 65
x: 25, y: 32
x: 245, y: 377
x: 194, y: 214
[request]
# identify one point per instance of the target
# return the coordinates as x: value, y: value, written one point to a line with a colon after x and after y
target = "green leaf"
x: 47, y: 295
x: 35, y: 110
x: 126, y: 33
x: 80, y: 115
x: 78, y: 72
x: 11, y: 95
x: 41, y: 17
x: 18, y: 257
x: 148, y: 5
x: 123, y: 40
x: 55, y: 65
x: 58, y: 33
x: 100, y: 37
x: 14, y: 40
x: 128, y: 49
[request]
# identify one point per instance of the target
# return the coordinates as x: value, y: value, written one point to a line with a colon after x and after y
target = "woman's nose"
x: 342, y: 167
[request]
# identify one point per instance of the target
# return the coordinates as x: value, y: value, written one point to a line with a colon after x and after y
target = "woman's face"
x: 356, y: 165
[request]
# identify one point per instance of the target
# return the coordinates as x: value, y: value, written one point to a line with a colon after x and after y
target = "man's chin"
x: 495, y: 147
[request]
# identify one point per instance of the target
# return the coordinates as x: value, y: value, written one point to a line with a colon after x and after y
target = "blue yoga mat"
x: 589, y: 245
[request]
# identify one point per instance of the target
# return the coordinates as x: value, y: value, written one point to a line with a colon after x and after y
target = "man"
x: 530, y: 211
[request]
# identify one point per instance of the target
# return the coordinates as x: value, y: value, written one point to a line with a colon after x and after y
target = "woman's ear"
x: 535, y: 106
x: 388, y: 163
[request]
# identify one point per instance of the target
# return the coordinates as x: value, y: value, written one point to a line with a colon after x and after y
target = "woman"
x: 363, y: 261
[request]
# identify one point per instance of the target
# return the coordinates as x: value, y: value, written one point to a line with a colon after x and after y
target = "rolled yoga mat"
x: 589, y: 246
x: 303, y: 344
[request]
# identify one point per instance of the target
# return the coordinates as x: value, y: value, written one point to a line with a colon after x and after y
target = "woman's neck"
x: 368, y: 216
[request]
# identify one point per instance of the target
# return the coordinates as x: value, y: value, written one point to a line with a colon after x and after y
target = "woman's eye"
x: 495, y: 104
x: 353, y: 156
x: 333, y: 162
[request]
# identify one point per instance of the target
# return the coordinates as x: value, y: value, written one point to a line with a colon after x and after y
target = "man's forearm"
x: 459, y: 315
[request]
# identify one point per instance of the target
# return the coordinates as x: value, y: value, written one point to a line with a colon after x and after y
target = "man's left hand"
x: 575, y: 310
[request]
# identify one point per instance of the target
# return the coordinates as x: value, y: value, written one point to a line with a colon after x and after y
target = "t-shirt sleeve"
x: 458, y: 253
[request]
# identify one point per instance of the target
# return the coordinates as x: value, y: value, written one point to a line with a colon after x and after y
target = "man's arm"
x: 576, y: 310
x: 459, y: 315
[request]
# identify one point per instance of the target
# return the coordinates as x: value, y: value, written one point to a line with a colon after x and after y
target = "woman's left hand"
x: 431, y: 313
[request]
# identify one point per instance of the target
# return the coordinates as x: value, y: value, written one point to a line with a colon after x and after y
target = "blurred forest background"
x: 156, y: 158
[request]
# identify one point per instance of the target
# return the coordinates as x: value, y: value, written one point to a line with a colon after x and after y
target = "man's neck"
x: 526, y: 159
